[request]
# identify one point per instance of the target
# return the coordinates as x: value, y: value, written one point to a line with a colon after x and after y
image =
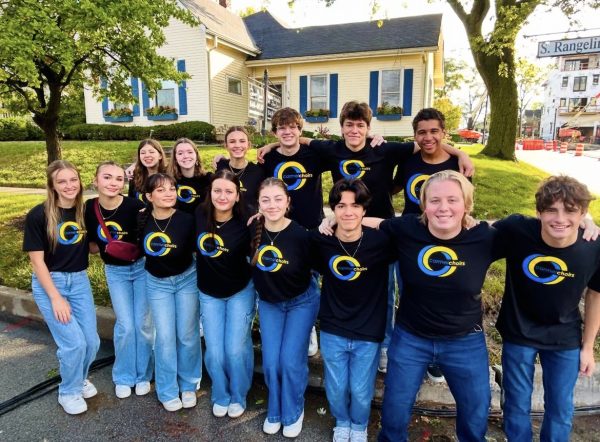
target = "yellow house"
x: 312, y: 68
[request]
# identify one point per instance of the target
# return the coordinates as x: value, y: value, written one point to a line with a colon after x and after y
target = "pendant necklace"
x: 355, y: 250
x: 168, y: 222
x: 272, y: 239
x: 240, y: 172
x: 111, y: 215
x: 223, y: 223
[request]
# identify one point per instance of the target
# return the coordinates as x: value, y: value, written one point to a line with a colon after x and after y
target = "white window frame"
x: 167, y: 84
x: 401, y: 87
x: 308, y: 90
x: 231, y: 77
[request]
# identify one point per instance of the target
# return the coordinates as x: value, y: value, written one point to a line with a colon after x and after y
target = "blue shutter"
x: 374, y: 91
x: 145, y: 98
x: 407, y: 92
x: 333, y: 95
x: 135, y: 91
x: 103, y: 85
x: 303, y: 94
x: 182, y: 89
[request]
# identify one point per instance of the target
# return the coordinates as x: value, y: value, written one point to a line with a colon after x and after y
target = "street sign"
x: 572, y: 46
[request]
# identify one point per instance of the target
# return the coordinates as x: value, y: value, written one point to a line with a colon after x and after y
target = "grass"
x: 502, y: 188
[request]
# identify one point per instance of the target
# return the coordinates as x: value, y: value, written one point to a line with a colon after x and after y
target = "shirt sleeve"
x: 33, y: 237
x: 325, y: 150
x: 594, y: 283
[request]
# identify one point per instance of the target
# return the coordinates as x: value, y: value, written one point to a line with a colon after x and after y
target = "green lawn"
x: 502, y: 188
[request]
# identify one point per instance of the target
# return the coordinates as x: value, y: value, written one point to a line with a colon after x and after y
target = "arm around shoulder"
x: 591, y: 325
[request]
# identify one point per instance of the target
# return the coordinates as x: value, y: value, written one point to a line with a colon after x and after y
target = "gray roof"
x: 221, y: 22
x: 277, y: 41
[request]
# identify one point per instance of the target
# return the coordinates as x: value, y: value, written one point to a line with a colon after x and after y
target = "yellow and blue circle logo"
x: 270, y: 258
x: 140, y: 196
x: 69, y: 232
x: 211, y: 245
x: 413, y: 187
x: 292, y: 173
x: 546, y: 269
x: 157, y: 244
x: 186, y: 194
x: 345, y: 267
x: 115, y: 230
x: 438, y: 261
x: 353, y: 169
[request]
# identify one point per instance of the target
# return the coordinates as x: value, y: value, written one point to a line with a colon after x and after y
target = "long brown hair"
x: 260, y: 222
x: 51, y: 208
x: 174, y: 169
x: 209, y: 209
x: 140, y: 173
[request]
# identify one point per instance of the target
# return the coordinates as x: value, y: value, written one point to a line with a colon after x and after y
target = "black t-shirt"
x: 121, y: 222
x: 442, y: 279
x: 413, y: 173
x: 544, y: 285
x: 222, y: 258
x: 137, y: 194
x: 374, y: 166
x: 283, y: 268
x: 355, y: 284
x: 169, y: 249
x: 71, y: 253
x: 192, y: 191
x: 250, y: 178
x: 301, y: 173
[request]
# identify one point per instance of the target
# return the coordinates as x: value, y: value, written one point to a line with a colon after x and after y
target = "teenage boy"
x: 354, y: 264
x: 548, y: 267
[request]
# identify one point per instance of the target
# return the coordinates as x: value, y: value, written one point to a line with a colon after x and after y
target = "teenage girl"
x: 288, y: 306
x: 167, y: 238
x: 134, y: 332
x: 56, y: 240
x: 227, y: 295
x: 192, y: 180
x: 237, y: 143
x: 150, y: 160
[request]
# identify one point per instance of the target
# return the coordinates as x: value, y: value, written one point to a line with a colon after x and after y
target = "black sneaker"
x: 434, y: 373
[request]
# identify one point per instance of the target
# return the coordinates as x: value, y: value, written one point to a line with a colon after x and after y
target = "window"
x: 577, y: 104
x: 563, y: 102
x: 165, y: 97
x: 390, y: 88
x: 234, y: 85
x: 576, y: 65
x: 565, y: 82
x: 579, y: 84
x: 318, y: 92
x: 595, y: 79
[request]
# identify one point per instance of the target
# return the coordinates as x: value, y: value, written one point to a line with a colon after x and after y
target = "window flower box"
x: 121, y: 119
x: 163, y: 117
x: 317, y: 119
x: 119, y: 115
x: 317, y: 115
x: 387, y: 112
x: 389, y: 117
x: 161, y: 113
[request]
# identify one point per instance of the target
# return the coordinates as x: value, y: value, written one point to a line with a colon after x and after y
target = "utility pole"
x: 265, y: 102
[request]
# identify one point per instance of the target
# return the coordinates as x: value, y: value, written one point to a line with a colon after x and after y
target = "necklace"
x: 272, y: 239
x: 111, y: 215
x: 239, y: 172
x: 355, y: 250
x: 168, y: 222
x: 224, y: 222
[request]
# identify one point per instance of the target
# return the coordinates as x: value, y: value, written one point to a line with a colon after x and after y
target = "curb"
x: 431, y: 395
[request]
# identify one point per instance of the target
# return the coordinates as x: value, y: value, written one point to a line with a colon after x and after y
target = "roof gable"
x: 277, y: 41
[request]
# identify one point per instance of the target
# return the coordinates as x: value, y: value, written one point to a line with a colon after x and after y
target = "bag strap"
x: 109, y: 237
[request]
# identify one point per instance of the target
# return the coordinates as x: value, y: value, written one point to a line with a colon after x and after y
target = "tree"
x: 45, y: 46
x: 451, y: 111
x: 454, y: 76
x: 529, y: 78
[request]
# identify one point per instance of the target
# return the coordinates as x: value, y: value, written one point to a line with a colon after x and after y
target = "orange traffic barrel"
x: 563, y: 147
x: 554, y: 146
x: 548, y: 145
x: 579, y: 149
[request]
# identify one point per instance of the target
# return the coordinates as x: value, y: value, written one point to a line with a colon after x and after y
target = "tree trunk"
x: 503, y: 104
x: 48, y: 122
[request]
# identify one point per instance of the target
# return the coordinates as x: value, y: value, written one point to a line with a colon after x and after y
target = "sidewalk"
x: 585, y: 168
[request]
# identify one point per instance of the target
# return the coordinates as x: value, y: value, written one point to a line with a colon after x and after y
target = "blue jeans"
x: 350, y: 370
x: 78, y: 340
x: 285, y: 331
x: 178, y: 356
x: 229, y: 356
x: 463, y: 360
x: 560, y: 369
x: 394, y: 270
x: 134, y: 331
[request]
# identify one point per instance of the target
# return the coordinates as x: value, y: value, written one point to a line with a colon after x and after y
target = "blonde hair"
x: 51, y: 208
x: 449, y: 175
x: 174, y: 169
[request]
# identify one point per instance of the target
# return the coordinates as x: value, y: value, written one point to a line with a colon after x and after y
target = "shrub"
x: 195, y: 130
x: 317, y: 113
x: 388, y: 109
x: 119, y: 112
x: 13, y: 129
x: 161, y: 110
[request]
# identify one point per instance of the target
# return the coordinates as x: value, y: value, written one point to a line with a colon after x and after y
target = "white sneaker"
x: 142, y: 388
x: 271, y: 427
x: 72, y: 404
x: 341, y: 434
x: 294, y: 429
x: 358, y: 436
x: 219, y: 410
x: 122, y: 391
x: 383, y: 360
x: 235, y: 410
x: 173, y: 404
x: 88, y: 390
x: 313, y: 344
x: 188, y: 399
